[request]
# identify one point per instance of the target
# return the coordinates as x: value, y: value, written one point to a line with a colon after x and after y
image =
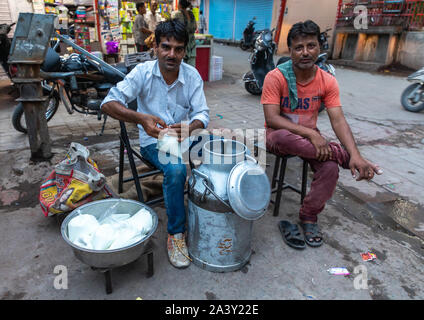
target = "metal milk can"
x: 227, y: 192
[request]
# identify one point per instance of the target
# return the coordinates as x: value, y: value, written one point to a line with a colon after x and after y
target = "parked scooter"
x: 413, y: 96
x: 82, y: 85
x: 249, y: 35
x: 262, y: 62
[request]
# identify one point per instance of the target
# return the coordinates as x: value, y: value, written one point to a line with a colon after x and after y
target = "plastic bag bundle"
x: 75, y: 181
x: 111, y: 231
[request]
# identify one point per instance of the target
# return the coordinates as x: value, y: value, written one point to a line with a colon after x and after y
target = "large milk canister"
x: 227, y: 192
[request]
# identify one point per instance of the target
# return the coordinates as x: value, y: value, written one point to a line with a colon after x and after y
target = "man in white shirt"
x: 152, y: 17
x: 168, y: 92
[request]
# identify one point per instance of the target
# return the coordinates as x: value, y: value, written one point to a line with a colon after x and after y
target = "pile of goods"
x: 111, y: 231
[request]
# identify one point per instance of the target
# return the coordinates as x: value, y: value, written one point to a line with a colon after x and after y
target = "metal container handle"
x: 207, y: 182
x: 251, y: 158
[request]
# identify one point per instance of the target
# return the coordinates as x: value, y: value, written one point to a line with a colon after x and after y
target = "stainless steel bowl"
x: 109, y: 258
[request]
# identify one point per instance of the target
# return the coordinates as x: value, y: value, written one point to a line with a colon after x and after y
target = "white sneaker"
x: 177, y: 251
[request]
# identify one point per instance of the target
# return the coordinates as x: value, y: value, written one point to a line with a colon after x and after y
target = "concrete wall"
x: 322, y: 12
x: 17, y: 6
x: 411, y: 48
x: 275, y: 13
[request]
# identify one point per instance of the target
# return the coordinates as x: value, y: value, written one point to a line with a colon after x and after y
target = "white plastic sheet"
x: 112, y: 230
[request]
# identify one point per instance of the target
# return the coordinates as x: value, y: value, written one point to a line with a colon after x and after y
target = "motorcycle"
x: 249, y: 35
x: 412, y: 98
x: 262, y: 61
x: 48, y: 89
x: 82, y: 84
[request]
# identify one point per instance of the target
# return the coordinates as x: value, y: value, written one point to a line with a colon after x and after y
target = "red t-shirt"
x: 323, y: 88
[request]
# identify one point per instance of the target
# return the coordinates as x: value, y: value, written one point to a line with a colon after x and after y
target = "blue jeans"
x: 174, y: 178
x: 175, y: 174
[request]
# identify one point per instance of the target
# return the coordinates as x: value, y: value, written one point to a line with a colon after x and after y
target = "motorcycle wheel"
x: 252, y: 88
x: 18, y: 117
x: 243, y: 46
x: 406, y: 99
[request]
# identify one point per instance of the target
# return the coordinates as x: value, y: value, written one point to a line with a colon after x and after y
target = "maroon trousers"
x: 326, y: 173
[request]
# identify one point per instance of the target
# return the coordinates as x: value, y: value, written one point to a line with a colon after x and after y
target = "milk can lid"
x: 248, y: 189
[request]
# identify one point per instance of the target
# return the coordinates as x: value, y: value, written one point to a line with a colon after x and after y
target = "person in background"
x: 141, y: 28
x: 202, y: 23
x: 186, y: 16
x: 152, y: 17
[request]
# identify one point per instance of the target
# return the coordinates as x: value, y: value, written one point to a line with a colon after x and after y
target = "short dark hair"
x: 185, y: 4
x: 139, y: 5
x: 171, y: 29
x: 302, y: 29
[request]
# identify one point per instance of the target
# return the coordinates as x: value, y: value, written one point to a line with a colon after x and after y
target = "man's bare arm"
x: 184, y: 131
x: 145, y: 30
x: 274, y: 120
x: 343, y: 132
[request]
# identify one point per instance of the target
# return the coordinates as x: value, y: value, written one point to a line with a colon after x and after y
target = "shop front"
x: 105, y: 27
x: 227, y: 19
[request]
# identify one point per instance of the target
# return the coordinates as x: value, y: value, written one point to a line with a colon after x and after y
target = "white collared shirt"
x: 184, y: 100
x: 153, y: 20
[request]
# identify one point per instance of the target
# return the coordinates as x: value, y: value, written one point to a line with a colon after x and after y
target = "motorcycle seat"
x: 103, y: 86
x: 112, y: 77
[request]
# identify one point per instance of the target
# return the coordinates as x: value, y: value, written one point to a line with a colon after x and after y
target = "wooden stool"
x: 280, y: 170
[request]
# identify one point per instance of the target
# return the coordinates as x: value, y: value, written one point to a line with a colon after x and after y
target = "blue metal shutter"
x: 221, y: 18
x: 247, y: 9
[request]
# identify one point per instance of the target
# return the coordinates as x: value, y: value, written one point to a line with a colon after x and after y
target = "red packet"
x: 368, y: 256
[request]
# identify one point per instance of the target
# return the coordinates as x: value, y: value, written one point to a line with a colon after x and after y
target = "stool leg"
x: 304, y: 181
x: 280, y: 186
x: 131, y: 161
x: 108, y: 279
x: 150, y: 269
x: 121, y: 167
x: 275, y: 172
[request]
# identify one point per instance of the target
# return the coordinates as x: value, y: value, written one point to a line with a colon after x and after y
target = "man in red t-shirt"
x: 292, y: 129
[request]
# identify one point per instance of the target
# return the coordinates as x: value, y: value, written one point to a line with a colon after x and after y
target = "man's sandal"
x: 311, y: 232
x: 291, y: 235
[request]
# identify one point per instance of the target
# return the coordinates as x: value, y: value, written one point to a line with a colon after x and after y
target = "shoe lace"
x: 180, y: 244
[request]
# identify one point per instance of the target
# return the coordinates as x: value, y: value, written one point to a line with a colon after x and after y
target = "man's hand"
x: 179, y: 130
x: 321, y: 145
x: 183, y: 130
x: 150, y: 124
x: 365, y: 168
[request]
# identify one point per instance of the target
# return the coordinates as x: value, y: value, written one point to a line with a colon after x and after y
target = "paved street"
x: 384, y: 216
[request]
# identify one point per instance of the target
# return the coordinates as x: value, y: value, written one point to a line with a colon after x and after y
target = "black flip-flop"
x: 291, y: 235
x: 311, y: 231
